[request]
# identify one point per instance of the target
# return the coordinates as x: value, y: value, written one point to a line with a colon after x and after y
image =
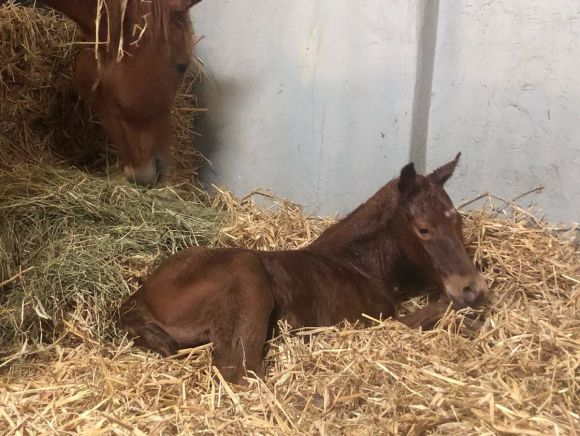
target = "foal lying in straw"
x: 234, y: 297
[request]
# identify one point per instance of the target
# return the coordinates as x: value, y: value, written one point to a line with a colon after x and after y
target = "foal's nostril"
x: 470, y: 294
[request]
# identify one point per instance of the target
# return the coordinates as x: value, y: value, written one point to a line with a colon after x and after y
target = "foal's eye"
x: 181, y: 68
x: 424, y: 232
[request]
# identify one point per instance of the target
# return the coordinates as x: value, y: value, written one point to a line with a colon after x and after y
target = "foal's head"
x: 131, y: 80
x: 430, y: 233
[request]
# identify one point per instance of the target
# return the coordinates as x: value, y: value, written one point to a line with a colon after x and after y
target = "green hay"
x: 71, y: 242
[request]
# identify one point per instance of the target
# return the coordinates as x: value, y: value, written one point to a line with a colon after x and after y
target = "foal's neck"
x: 366, y: 237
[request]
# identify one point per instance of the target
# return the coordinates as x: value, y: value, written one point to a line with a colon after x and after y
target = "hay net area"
x: 74, y: 244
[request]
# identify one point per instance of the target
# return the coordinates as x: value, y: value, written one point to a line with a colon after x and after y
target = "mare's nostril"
x: 147, y: 175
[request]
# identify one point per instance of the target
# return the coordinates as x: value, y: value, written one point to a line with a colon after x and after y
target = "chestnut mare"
x: 234, y: 297
x: 144, y: 48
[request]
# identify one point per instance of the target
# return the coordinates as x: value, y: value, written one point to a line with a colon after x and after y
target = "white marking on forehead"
x: 449, y: 213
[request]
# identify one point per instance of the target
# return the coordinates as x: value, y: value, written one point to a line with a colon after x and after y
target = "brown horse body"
x: 234, y: 297
x: 130, y: 71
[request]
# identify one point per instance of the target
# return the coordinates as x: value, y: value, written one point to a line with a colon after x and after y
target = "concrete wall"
x: 324, y: 100
x: 506, y: 91
x: 311, y: 98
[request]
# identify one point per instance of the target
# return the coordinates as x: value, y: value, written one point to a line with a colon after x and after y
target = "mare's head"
x: 132, y: 78
x: 430, y: 234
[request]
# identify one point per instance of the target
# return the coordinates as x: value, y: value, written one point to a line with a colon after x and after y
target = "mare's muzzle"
x: 147, y: 175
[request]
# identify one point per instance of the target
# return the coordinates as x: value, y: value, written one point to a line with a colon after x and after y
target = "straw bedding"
x: 519, y: 374
x: 73, y: 245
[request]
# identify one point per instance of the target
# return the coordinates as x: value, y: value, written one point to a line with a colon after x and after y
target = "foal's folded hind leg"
x: 240, y: 355
x: 157, y: 339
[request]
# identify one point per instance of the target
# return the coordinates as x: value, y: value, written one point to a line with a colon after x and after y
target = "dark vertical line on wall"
x: 427, y: 17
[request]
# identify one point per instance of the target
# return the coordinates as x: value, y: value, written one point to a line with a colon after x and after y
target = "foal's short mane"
x: 372, y: 216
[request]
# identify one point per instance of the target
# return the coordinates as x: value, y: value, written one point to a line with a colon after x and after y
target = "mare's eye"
x: 424, y: 232
x: 181, y: 68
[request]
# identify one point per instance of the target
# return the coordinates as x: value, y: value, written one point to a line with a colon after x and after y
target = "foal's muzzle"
x: 466, y: 291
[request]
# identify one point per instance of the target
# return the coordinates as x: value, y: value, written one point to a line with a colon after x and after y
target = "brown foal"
x: 234, y: 297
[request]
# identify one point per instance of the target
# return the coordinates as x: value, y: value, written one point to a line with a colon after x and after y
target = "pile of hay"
x: 71, y: 242
x: 41, y: 117
x: 74, y: 245
x: 38, y: 108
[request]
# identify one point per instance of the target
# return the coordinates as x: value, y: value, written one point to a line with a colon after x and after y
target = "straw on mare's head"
x: 131, y: 73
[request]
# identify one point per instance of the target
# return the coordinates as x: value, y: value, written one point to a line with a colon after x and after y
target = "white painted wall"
x: 506, y: 91
x: 314, y: 98
x: 311, y: 98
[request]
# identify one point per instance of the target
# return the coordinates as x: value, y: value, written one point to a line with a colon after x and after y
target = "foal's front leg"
x: 427, y: 317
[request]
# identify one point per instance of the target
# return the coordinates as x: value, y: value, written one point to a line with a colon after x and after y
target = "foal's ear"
x: 407, y: 184
x: 442, y: 174
x: 182, y: 5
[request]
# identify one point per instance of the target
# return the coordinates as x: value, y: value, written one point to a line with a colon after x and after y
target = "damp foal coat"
x: 234, y: 297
